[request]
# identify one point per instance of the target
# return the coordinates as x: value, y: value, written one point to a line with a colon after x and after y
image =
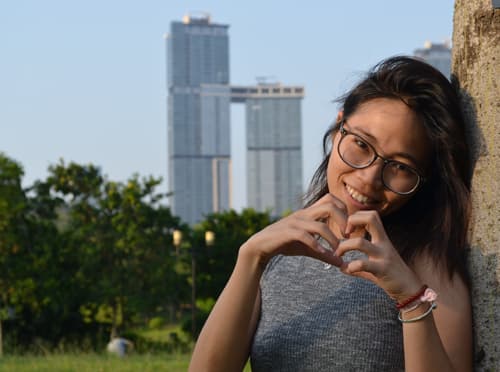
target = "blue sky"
x: 85, y: 80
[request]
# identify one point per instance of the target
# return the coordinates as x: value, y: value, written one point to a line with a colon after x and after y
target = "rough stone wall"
x: 476, y: 65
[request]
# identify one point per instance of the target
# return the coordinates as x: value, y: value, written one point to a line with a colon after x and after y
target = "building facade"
x: 199, y: 166
x: 274, y: 145
x: 437, y: 55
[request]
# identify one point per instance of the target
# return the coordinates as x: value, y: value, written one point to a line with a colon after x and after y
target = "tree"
x: 16, y: 288
x: 215, y: 263
x: 476, y: 49
x: 122, y: 234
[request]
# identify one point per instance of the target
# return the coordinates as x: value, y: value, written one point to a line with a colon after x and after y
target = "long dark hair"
x: 435, y: 220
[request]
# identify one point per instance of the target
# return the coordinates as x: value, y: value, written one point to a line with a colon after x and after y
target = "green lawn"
x: 97, y: 363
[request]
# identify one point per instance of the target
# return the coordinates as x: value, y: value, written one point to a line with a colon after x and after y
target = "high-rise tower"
x: 274, y: 145
x: 437, y: 55
x: 198, y: 117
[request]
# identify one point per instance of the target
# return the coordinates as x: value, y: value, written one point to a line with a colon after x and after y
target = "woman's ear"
x: 340, y: 116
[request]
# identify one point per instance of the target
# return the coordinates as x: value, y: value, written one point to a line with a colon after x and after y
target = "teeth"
x: 356, y: 195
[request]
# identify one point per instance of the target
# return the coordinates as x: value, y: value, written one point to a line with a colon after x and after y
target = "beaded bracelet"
x: 409, y: 300
x: 417, y: 318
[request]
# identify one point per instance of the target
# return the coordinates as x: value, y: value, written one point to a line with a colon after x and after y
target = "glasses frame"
x: 344, y: 132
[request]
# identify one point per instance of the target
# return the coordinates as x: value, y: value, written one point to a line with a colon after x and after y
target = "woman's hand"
x: 382, y: 265
x: 297, y: 233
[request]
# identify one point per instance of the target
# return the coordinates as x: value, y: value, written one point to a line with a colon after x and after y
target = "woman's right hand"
x: 297, y: 233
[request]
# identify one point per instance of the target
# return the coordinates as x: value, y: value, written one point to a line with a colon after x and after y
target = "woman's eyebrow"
x: 365, y: 133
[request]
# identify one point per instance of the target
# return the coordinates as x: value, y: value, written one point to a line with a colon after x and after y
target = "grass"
x: 97, y: 363
x: 94, y: 362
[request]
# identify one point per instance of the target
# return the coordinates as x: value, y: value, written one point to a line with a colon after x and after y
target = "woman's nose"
x: 372, y: 174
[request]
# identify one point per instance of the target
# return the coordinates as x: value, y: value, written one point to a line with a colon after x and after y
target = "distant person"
x: 370, y: 275
x: 120, y: 346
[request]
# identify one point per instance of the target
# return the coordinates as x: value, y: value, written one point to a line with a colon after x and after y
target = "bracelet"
x: 409, y: 308
x: 420, y: 317
x: 428, y: 296
x: 409, y: 300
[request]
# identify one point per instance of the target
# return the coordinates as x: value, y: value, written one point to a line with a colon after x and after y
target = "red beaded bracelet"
x: 409, y: 300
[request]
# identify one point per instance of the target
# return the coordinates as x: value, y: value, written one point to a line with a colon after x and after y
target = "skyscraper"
x: 437, y: 55
x: 274, y: 145
x: 198, y: 117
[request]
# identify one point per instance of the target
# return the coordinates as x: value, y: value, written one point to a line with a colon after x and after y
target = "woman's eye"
x: 361, y: 144
x: 400, y: 167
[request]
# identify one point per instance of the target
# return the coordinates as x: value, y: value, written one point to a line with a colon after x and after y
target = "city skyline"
x: 86, y: 82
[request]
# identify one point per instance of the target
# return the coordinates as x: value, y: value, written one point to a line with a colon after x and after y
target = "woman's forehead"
x: 392, y: 127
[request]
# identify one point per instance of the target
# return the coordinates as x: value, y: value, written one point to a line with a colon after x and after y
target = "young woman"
x: 370, y: 274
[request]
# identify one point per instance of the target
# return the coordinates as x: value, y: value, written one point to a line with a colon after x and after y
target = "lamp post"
x: 209, y: 241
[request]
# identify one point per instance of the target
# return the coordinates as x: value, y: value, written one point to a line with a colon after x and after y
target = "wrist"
x: 248, y: 254
x: 409, y: 290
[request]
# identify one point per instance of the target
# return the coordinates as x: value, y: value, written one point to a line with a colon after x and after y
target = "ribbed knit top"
x: 315, y: 318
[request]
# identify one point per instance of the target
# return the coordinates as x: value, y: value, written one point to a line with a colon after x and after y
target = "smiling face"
x: 396, y: 134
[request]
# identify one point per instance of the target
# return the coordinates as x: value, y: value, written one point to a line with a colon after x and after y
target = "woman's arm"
x: 440, y: 341
x: 443, y: 340
x: 224, y: 342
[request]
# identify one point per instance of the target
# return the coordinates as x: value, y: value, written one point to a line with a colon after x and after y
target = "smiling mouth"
x: 360, y: 198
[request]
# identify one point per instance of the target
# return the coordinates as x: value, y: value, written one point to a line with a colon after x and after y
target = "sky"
x: 85, y: 81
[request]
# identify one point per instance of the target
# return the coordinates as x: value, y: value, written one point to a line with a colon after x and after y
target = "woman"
x: 341, y: 285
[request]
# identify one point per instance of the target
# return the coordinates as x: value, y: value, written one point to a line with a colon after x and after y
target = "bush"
x: 156, y: 323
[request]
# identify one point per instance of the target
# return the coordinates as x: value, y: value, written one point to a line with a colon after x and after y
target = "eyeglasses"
x: 356, y: 152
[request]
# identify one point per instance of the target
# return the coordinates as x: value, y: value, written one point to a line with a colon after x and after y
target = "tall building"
x: 198, y: 117
x: 274, y: 145
x: 437, y: 55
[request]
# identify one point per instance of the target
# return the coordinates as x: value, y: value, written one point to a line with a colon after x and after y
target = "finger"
x: 330, y: 209
x: 356, y: 244
x: 309, y: 246
x: 370, y: 221
x: 317, y: 228
x: 306, y: 239
x: 329, y: 198
x: 362, y: 265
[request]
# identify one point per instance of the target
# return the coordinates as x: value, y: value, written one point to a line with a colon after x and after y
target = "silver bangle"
x: 420, y: 317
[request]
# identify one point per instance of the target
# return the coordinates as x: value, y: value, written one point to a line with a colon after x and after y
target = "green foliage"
x: 122, y: 235
x: 156, y: 323
x: 215, y: 263
x: 82, y: 256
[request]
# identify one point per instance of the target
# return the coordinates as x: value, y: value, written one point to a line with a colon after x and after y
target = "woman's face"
x: 395, y: 133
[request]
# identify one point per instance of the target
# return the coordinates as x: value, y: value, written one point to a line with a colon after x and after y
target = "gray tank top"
x: 315, y: 318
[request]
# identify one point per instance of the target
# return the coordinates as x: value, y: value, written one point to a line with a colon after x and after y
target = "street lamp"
x: 209, y: 238
x: 177, y: 237
x: 209, y: 241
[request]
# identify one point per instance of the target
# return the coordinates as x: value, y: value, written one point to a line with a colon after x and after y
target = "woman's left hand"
x: 382, y: 265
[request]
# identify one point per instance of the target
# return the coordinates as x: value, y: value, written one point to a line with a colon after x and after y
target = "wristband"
x: 409, y: 300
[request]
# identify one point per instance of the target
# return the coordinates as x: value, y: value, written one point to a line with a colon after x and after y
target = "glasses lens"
x: 355, y: 151
x: 399, y: 177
